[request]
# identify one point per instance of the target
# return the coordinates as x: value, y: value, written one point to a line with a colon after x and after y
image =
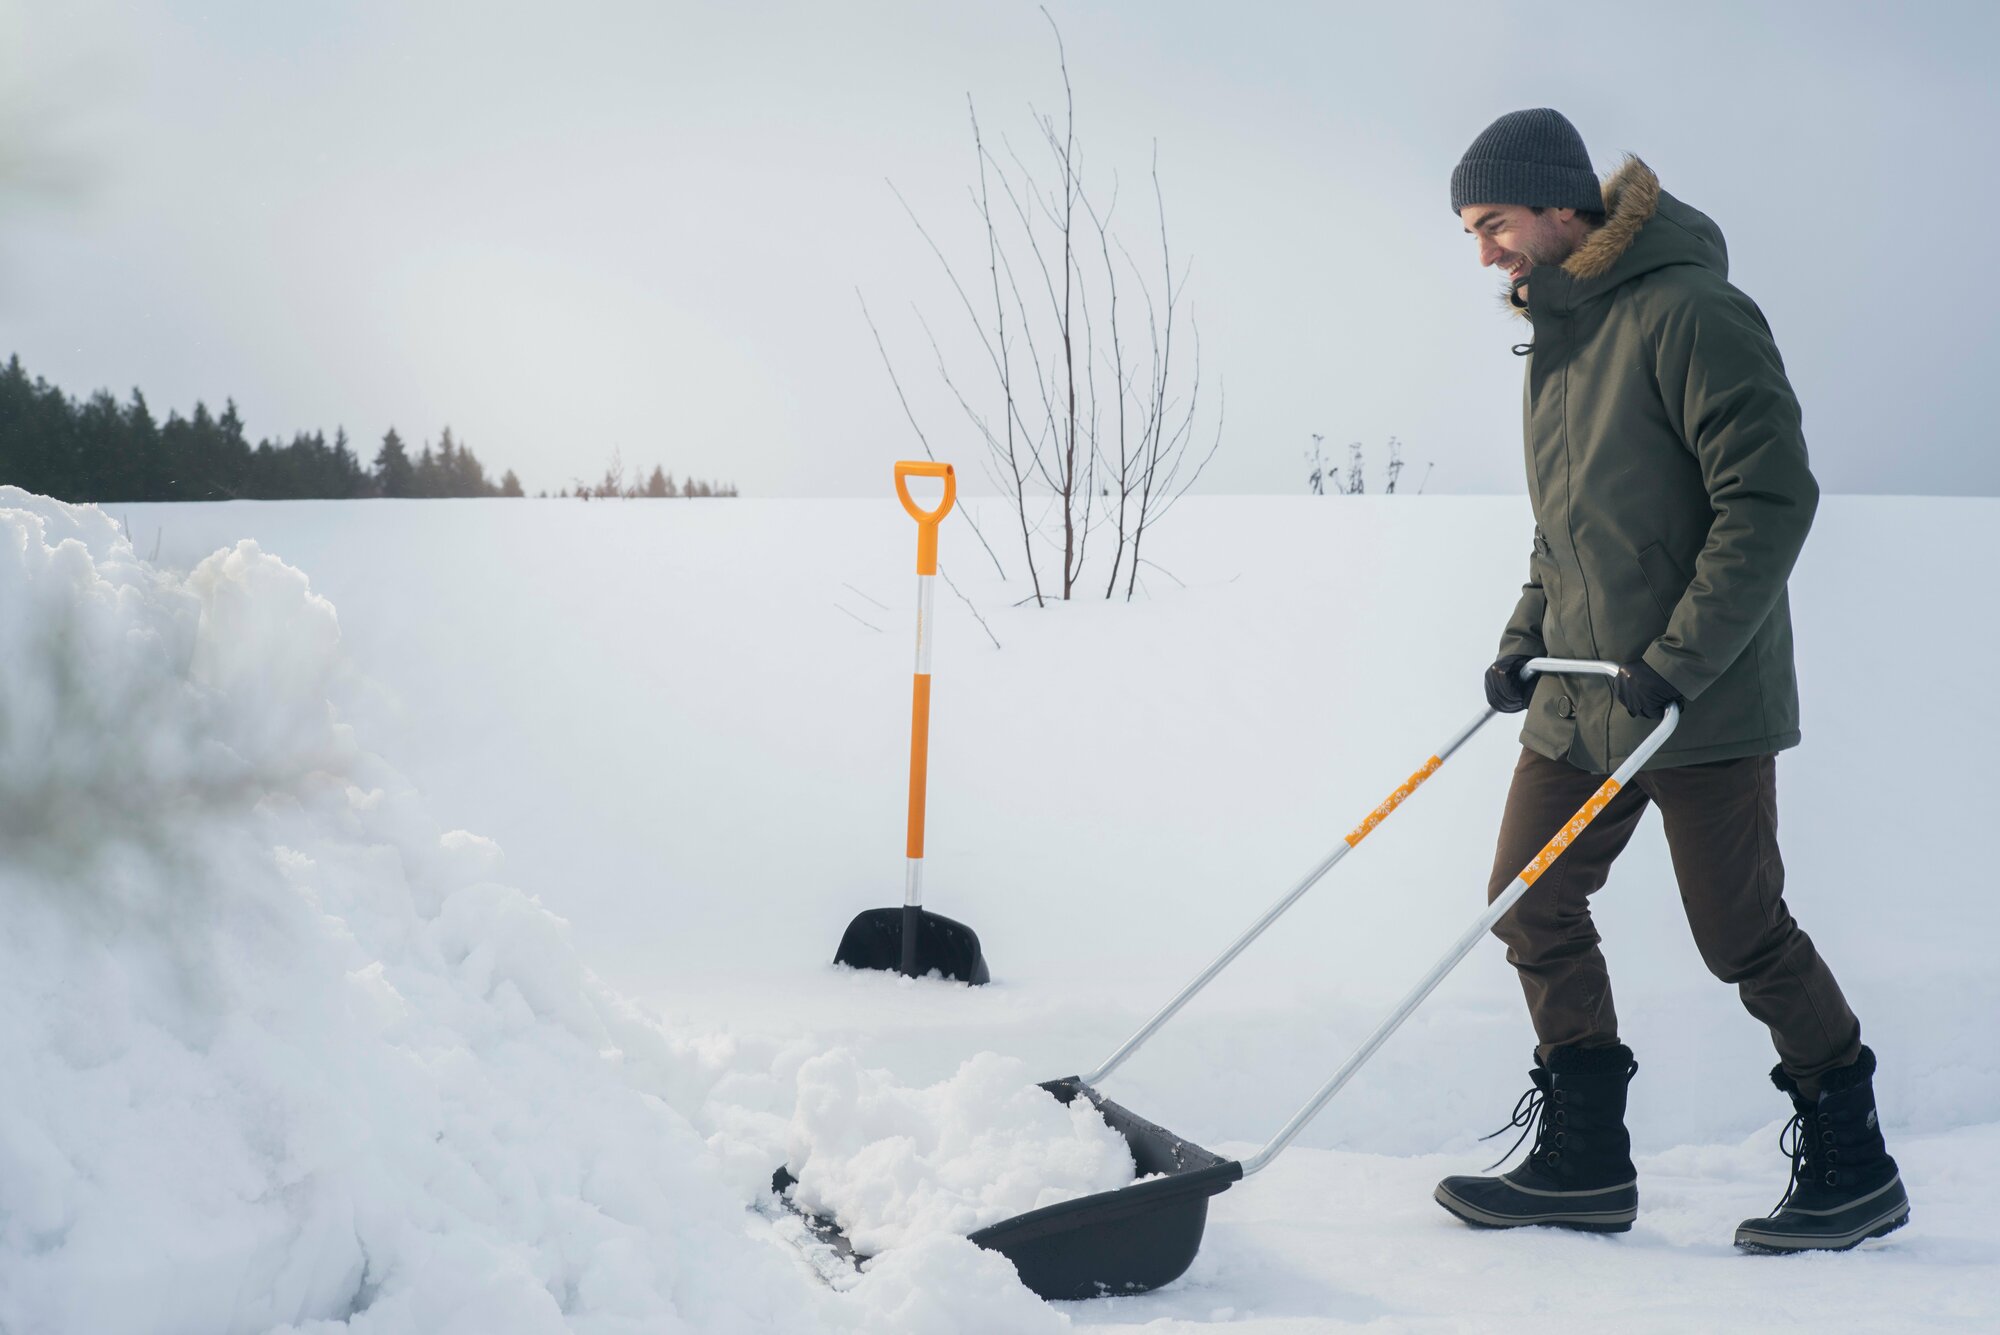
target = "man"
x: 1671, y: 495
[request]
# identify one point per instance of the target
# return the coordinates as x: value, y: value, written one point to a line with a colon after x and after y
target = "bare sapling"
x: 1089, y: 400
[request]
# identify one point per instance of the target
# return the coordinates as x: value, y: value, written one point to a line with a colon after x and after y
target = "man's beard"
x: 1548, y: 247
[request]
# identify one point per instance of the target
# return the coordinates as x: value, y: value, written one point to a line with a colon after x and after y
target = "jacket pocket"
x: 1663, y: 577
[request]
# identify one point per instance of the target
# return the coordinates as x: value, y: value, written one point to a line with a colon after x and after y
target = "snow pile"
x: 892, y: 1164
x: 277, y: 1054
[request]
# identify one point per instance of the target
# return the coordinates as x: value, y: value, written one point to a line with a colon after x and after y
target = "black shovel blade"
x: 874, y: 940
x: 1131, y: 1240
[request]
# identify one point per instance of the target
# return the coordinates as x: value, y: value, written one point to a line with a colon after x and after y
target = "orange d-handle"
x: 927, y: 520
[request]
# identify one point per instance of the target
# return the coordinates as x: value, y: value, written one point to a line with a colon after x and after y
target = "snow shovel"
x: 1140, y: 1237
x: 909, y: 939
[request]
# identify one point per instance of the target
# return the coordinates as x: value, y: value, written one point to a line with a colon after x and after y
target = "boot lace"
x: 1530, y: 1114
x: 1798, y: 1140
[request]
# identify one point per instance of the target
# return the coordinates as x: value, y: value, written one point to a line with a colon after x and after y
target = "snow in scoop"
x: 892, y: 1164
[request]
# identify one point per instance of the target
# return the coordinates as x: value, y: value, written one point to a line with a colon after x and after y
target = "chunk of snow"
x: 892, y: 1164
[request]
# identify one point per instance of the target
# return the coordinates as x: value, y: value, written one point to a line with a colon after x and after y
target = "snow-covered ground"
x: 286, y: 1037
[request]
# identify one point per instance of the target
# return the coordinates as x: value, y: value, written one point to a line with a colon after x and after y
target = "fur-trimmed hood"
x: 1645, y: 228
x: 1631, y: 198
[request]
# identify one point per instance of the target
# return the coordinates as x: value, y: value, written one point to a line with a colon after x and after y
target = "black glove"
x: 1643, y: 692
x: 1505, y: 690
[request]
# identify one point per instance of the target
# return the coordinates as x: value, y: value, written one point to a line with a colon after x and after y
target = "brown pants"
x: 1722, y: 828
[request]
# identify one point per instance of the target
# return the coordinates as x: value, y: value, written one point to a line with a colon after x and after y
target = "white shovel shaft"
x: 925, y: 595
x: 1494, y: 912
x: 1291, y: 897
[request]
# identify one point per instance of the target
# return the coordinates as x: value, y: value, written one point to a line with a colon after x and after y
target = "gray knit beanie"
x: 1534, y: 158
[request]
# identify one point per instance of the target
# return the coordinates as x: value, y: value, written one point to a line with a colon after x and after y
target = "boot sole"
x: 1788, y: 1244
x: 1601, y: 1221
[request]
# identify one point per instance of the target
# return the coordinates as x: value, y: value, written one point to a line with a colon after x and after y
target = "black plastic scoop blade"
x: 1130, y: 1240
x: 874, y: 940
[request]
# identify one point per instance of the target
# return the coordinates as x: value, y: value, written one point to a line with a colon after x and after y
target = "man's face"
x: 1514, y: 238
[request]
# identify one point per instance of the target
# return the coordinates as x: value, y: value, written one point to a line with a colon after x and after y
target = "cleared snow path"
x: 1331, y: 1241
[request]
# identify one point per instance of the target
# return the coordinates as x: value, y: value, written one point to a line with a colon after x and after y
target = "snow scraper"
x: 1145, y: 1235
x: 911, y: 940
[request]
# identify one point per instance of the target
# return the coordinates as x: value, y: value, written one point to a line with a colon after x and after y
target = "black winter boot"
x: 1579, y: 1173
x: 1845, y: 1187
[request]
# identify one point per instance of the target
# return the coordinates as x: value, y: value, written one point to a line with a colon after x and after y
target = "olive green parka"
x: 1671, y: 491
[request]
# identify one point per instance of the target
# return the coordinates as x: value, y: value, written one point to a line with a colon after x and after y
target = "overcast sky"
x: 564, y: 229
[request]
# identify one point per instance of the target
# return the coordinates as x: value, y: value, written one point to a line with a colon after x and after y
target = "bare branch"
x: 1006, y: 367
x: 968, y: 606
x: 871, y: 625
x: 884, y: 606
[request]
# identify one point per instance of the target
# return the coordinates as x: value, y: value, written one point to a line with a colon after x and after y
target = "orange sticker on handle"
x: 1393, y: 800
x: 1568, y: 833
x: 920, y: 750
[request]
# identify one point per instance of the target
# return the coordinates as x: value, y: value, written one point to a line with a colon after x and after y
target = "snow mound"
x: 943, y: 1285
x: 279, y: 1054
x: 893, y: 1164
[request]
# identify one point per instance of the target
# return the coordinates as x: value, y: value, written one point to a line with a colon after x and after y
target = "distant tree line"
x: 613, y: 486
x: 98, y: 449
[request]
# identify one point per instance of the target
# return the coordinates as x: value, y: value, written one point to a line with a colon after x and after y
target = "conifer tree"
x: 208, y: 476
x: 152, y: 469
x: 105, y: 471
x: 232, y: 452
x: 395, y: 475
x: 468, y: 476
x: 349, y: 481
